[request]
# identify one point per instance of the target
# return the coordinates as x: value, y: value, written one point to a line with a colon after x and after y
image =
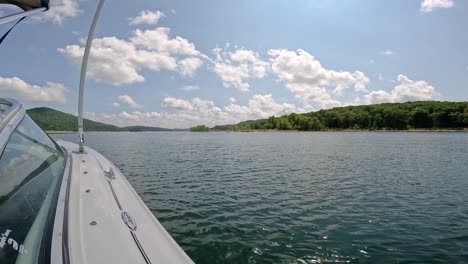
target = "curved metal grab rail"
x: 84, y: 65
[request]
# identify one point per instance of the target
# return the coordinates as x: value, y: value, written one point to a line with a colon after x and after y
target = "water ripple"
x: 302, y: 197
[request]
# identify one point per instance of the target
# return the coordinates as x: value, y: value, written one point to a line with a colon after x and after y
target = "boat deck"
x: 107, y: 220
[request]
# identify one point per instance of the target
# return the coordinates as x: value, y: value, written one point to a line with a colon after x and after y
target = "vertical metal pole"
x: 84, y: 65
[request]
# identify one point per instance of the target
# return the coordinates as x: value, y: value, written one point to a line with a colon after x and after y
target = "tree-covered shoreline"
x: 409, y: 116
x: 200, y: 128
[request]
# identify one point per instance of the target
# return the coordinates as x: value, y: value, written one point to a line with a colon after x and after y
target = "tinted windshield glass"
x: 31, y: 167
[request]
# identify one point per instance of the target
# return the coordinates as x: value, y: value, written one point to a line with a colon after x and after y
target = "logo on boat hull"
x: 129, y: 221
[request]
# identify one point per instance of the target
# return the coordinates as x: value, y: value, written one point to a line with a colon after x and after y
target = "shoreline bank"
x: 293, y: 131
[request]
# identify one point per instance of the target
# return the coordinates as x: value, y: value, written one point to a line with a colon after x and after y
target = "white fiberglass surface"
x: 101, y: 200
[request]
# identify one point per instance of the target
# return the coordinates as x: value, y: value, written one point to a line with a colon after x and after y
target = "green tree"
x: 377, y: 122
x: 271, y: 123
x: 283, y: 123
x: 200, y: 128
x: 420, y: 118
x: 465, y: 117
x: 395, y: 118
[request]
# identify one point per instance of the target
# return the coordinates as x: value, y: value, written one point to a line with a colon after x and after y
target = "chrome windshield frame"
x: 9, y: 120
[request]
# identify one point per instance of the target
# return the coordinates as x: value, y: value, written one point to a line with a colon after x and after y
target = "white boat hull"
x: 104, y: 219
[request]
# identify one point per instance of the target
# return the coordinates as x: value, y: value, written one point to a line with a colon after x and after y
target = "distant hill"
x: 53, y: 120
x: 145, y: 128
x: 426, y: 115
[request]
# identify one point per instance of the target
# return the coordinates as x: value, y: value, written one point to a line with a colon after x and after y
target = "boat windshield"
x: 31, y: 168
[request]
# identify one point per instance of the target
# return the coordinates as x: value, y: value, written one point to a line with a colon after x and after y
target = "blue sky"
x: 183, y: 63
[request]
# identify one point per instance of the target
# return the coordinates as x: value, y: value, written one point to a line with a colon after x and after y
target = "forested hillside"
x: 392, y: 116
x: 53, y: 120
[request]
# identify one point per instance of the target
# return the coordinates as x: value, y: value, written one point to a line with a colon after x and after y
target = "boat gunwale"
x: 59, y: 245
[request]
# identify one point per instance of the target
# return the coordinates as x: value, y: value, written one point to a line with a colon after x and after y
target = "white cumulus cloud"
x: 49, y: 93
x: 128, y: 100
x: 406, y: 90
x: 119, y: 61
x: 59, y: 10
x: 431, y: 5
x: 179, y: 104
x: 158, y: 39
x: 147, y: 17
x: 305, y: 77
x: 260, y: 106
x: 187, y: 67
x: 186, y: 113
x: 235, y: 68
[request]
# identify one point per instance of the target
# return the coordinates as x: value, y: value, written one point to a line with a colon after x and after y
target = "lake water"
x: 313, y: 197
